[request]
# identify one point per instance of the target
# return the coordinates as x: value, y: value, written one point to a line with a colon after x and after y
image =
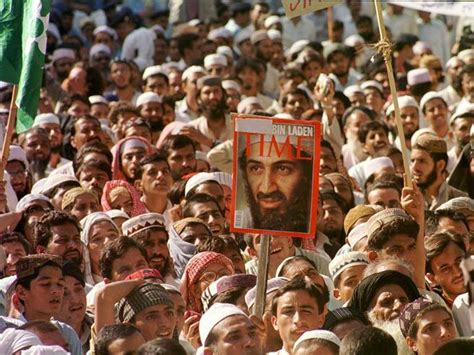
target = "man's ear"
x: 431, y: 278
x: 290, y: 242
x: 364, y: 149
x: 206, y: 351
x: 440, y: 166
x: 19, y: 293
x: 372, y: 255
x: 138, y: 185
x: 274, y: 323
x: 40, y: 249
x: 72, y: 140
x: 252, y: 252
x: 336, y: 294
x: 412, y: 344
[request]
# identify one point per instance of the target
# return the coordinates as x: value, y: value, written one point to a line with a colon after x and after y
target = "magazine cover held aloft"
x: 275, y: 176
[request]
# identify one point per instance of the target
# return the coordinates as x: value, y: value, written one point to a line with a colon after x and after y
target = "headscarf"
x: 13, y: 340
x: 181, y: 251
x: 193, y: 272
x: 70, y: 196
x: 86, y: 225
x: 368, y: 287
x: 116, y: 150
x: 138, y: 207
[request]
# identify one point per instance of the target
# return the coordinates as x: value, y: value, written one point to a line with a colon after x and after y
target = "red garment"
x: 117, y: 173
x: 138, y: 207
x: 193, y: 271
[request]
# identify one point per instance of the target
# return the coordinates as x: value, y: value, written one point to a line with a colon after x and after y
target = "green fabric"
x: 23, y: 26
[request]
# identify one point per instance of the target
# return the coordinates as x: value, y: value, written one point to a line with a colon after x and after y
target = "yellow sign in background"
x: 294, y: 8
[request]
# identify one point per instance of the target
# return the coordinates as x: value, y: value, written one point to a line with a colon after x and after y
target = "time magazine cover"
x: 275, y: 176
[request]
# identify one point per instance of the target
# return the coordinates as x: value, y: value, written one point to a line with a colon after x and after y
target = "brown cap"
x: 383, y: 217
x: 208, y: 80
x: 181, y: 225
x: 28, y: 265
x: 355, y: 214
x: 431, y: 144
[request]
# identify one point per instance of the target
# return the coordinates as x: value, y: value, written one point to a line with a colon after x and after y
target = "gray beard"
x: 392, y: 327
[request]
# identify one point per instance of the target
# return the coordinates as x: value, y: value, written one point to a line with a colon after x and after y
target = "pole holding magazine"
x: 385, y: 48
x: 262, y: 275
x: 8, y: 133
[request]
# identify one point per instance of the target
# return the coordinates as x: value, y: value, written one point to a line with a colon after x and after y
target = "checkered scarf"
x: 117, y: 173
x: 195, y: 268
x: 138, y: 206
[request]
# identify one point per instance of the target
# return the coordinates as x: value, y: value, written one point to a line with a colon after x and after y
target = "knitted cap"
x: 464, y: 205
x: 343, y: 261
x: 383, y: 217
x: 141, y: 297
x: 28, y: 265
x: 70, y: 196
x: 356, y: 234
x: 181, y: 225
x: 431, y: 143
x: 414, y: 310
x: 142, y: 222
x: 318, y: 334
x: 208, y: 80
x: 355, y: 214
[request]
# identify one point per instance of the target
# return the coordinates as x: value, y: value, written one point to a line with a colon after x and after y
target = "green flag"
x: 23, y: 26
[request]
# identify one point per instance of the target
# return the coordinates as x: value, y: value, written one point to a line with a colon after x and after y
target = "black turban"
x: 368, y: 287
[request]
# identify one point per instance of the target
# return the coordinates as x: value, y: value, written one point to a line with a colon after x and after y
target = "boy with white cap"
x: 216, y: 64
x: 155, y: 80
x: 410, y: 115
x: 317, y: 342
x: 149, y: 105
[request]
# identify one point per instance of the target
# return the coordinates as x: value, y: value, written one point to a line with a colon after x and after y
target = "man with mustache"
x: 58, y: 233
x: 276, y: 184
x: 37, y: 147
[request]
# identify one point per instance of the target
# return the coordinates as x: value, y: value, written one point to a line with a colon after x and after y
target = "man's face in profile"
x: 274, y: 185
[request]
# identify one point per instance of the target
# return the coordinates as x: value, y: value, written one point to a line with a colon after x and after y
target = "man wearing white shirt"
x: 435, y: 33
x: 297, y: 28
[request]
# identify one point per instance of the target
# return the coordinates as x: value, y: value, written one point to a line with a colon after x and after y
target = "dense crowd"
x: 115, y: 208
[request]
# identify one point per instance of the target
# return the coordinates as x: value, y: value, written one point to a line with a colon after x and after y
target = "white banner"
x: 462, y: 8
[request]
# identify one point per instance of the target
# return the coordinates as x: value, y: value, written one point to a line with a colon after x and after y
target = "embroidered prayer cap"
x: 245, y: 105
x: 70, y: 196
x: 376, y: 165
x: 45, y: 118
x: 198, y: 179
x: 415, y: 310
x: 353, y: 89
x: 208, y: 80
x: 153, y: 70
x: 372, y: 84
x: 419, y: 133
x: 105, y: 29
x: 99, y: 48
x: 383, y: 217
x: 467, y: 55
x: 431, y: 143
x: 223, y: 178
x: 356, y: 234
x: 28, y: 265
x: 272, y: 285
x: 343, y: 261
x: 317, y: 334
x: 356, y: 213
x: 225, y: 51
x: 274, y: 35
x: 342, y: 314
x: 271, y: 20
x: 464, y: 205
x: 230, y: 84
x: 142, y: 222
x: 403, y: 101
x: 63, y: 53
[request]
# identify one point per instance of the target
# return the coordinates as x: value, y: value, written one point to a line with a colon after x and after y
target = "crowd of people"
x: 115, y: 209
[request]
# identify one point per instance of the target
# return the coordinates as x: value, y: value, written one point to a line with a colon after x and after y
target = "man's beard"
x: 430, y: 179
x: 163, y: 269
x: 392, y: 327
x: 356, y: 147
x: 335, y: 236
x: 367, y: 36
x: 214, y: 112
x: 38, y: 168
x: 292, y: 217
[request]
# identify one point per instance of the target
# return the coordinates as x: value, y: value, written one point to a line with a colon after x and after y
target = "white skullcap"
x: 215, y: 59
x: 158, y: 28
x: 243, y: 35
x: 271, y: 20
x: 377, y: 164
x: 214, y: 315
x: 297, y: 47
x: 220, y: 32
x: 99, y: 48
x: 17, y: 153
x: 168, y: 67
x: 46, y: 118
x: 117, y: 214
x: 223, y: 178
x: 419, y: 133
x: 198, y: 179
x: 357, y: 233
x: 353, y: 89
x: 372, y: 84
x: 230, y: 84
x: 403, y: 101
x: 274, y: 35
x: 343, y: 261
x: 200, y: 155
x: 318, y: 334
x: 106, y: 29
x: 463, y: 109
x: 147, y: 97
x: 153, y: 70
x: 430, y: 96
x: 45, y: 350
x: 418, y: 76
x: 38, y: 186
x: 258, y: 36
x: 63, y: 53
x: 142, y: 222
x: 192, y: 70
x: 420, y: 47
x: 27, y: 199
x: 194, y: 22
x: 246, y: 103
x: 452, y: 62
x: 54, y: 180
x: 466, y: 55
x: 225, y: 50
x: 98, y: 99
x: 354, y: 40
x: 14, y: 340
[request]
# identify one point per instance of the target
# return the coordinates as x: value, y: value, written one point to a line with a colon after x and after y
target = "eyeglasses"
x: 211, y: 276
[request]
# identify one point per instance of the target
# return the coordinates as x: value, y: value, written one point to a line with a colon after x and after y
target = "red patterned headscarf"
x: 138, y: 206
x: 117, y: 173
x: 195, y: 268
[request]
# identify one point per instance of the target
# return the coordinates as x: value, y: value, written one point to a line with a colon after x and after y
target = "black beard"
x: 38, y: 168
x: 156, y: 126
x: 367, y: 36
x: 56, y: 150
x: 430, y: 179
x: 216, y: 112
x: 276, y: 219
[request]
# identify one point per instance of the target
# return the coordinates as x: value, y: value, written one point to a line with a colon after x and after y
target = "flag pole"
x: 330, y: 17
x: 262, y: 275
x: 385, y: 48
x: 9, y: 133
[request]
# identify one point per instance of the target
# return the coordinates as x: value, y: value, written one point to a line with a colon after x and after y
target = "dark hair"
x: 115, y: 250
x: 332, y: 195
x: 230, y: 296
x: 120, y: 61
x: 176, y: 193
x: 121, y: 107
x: 362, y: 19
x: 339, y: 95
x: 368, y: 340
x: 296, y: 91
x: 174, y: 142
x: 326, y: 144
x: 152, y: 158
x: 198, y: 198
x: 352, y: 109
x: 185, y: 41
x: 382, y: 184
x: 247, y: 63
x: 435, y: 156
x: 81, y: 98
x: 93, y: 164
x: 94, y: 146
x: 161, y: 346
x: 85, y: 117
x: 456, y: 346
x: 387, y: 230
x: 15, y: 237
x: 42, y: 230
x: 26, y: 281
x: 109, y: 333
x: 436, y: 244
x: 368, y: 127
x: 303, y: 284
x: 290, y: 73
x: 218, y: 244
x: 432, y: 219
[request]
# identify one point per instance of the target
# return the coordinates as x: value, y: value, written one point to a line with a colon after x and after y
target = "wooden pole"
x: 330, y: 14
x: 393, y: 90
x: 262, y: 275
x: 8, y: 134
